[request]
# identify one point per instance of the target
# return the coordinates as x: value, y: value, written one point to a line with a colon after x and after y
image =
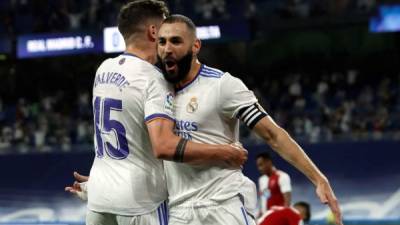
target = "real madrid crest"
x: 192, y: 105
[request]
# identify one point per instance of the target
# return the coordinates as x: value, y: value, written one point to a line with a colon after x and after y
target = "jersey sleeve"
x: 262, y: 198
x: 237, y: 101
x: 284, y: 183
x: 262, y: 183
x: 159, y: 100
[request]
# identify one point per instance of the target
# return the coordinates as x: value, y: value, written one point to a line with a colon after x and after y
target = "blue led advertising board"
x: 41, y: 45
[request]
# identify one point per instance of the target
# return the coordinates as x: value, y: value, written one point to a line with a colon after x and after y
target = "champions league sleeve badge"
x: 192, y: 106
x: 169, y: 103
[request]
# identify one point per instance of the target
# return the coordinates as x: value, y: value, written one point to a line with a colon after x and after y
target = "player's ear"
x: 196, y: 46
x: 152, y: 33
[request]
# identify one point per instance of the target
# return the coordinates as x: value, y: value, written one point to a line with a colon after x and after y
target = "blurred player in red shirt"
x: 274, y: 185
x: 299, y: 214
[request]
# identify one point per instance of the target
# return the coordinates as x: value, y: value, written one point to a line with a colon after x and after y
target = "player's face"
x: 263, y: 165
x: 174, y: 51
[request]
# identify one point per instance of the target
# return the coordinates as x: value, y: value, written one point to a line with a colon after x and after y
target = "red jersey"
x: 281, y: 216
x: 272, y: 189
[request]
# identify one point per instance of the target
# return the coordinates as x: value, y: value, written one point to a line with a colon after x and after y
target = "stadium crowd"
x: 318, y: 107
x: 23, y: 16
x: 45, y: 124
x: 332, y: 107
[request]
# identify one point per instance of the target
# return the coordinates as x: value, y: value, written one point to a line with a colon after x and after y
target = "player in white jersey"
x: 133, y: 118
x: 208, y: 106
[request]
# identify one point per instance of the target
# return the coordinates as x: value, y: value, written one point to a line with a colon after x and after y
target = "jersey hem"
x: 128, y: 212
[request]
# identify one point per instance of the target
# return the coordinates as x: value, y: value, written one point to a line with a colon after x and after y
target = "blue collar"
x: 188, y: 84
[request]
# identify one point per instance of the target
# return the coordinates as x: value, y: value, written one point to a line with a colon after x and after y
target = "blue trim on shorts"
x: 159, y: 215
x: 162, y: 214
x: 164, y: 207
x: 244, y: 215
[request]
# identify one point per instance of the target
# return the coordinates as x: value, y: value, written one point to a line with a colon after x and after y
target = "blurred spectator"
x: 322, y: 107
x: 43, y: 128
x: 295, y: 8
x: 5, y: 139
x: 365, y: 5
x: 23, y: 16
x: 333, y: 107
x: 274, y: 186
x: 329, y: 107
x: 211, y: 9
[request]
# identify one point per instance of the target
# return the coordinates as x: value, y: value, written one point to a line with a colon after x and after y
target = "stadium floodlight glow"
x: 114, y: 42
x: 387, y: 19
x: 208, y: 32
x: 57, y: 44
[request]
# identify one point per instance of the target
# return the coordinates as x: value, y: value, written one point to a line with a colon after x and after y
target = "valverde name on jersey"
x: 111, y: 78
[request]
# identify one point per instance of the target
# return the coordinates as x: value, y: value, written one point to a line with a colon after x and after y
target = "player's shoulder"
x: 140, y: 64
x: 105, y: 64
x: 293, y: 210
x: 282, y: 173
x: 210, y: 72
x: 140, y: 67
x: 115, y: 63
x: 133, y: 63
x: 225, y: 79
x: 263, y: 179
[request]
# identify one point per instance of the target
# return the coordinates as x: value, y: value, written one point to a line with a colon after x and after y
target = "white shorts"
x: 156, y: 217
x: 229, y: 212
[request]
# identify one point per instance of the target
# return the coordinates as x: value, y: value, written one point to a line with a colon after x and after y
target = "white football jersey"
x: 126, y: 179
x: 206, y: 111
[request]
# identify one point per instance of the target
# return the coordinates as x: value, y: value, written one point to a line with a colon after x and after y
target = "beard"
x: 183, y: 66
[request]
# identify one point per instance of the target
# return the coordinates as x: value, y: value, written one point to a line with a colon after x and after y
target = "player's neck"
x: 194, y: 70
x: 145, y: 53
x: 270, y: 172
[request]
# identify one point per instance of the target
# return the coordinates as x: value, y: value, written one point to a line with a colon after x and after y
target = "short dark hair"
x: 307, y: 207
x: 133, y: 14
x: 264, y: 155
x: 177, y: 18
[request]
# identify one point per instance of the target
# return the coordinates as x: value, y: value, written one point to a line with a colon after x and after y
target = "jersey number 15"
x: 107, y: 129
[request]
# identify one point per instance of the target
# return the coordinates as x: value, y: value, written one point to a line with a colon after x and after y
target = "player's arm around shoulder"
x: 168, y: 146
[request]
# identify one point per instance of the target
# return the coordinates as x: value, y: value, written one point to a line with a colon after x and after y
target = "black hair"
x: 307, y: 207
x: 177, y: 18
x: 264, y: 155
